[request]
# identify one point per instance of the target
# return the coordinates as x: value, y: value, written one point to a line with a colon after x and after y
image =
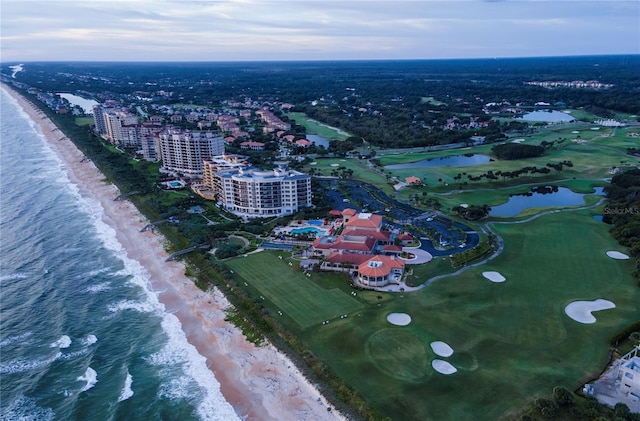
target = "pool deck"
x: 305, y: 225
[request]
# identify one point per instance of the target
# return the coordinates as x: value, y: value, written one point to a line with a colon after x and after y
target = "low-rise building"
x: 379, y: 271
x: 629, y: 375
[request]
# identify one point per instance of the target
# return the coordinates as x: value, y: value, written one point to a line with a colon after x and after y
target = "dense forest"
x: 386, y: 103
x: 623, y: 211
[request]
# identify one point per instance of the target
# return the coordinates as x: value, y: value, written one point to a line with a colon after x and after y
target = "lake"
x: 85, y: 104
x: 445, y: 161
x: 318, y: 140
x: 560, y: 196
x: 548, y: 116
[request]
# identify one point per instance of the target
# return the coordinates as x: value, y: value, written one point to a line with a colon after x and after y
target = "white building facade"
x: 182, y: 152
x: 260, y: 194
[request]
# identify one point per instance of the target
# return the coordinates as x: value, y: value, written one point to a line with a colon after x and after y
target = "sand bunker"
x: 335, y: 165
x: 442, y: 349
x: 494, y: 276
x: 617, y: 255
x: 399, y: 319
x: 443, y: 367
x: 580, y: 311
x: 517, y: 141
x: 464, y: 205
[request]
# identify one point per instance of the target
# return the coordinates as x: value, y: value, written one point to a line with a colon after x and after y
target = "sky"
x: 247, y: 30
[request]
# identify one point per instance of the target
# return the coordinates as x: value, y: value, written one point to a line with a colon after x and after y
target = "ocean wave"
x: 72, y: 250
x: 94, y: 272
x: 73, y: 355
x: 15, y: 338
x: 91, y: 377
x: 63, y: 342
x: 89, y: 340
x: 139, y: 306
x: 127, y: 391
x: 22, y: 365
x: 178, y: 388
x: 102, y: 286
x: 25, y: 409
x: 211, y: 404
x: 13, y: 276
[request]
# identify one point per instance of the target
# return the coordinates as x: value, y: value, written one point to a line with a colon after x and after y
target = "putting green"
x: 398, y: 354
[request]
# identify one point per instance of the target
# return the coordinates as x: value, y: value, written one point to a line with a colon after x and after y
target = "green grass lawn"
x: 84, y: 121
x: 512, y: 340
x: 298, y: 297
x: 431, y: 100
x: 315, y: 127
x: 360, y: 171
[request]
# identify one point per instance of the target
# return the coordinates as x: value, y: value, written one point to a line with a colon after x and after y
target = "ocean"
x: 82, y: 335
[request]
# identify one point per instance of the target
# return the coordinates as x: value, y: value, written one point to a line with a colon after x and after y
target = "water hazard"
x: 445, y: 161
x: 539, y: 197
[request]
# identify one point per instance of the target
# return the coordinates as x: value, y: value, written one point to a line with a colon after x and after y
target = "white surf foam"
x: 25, y: 409
x: 22, y: 365
x: 103, y: 286
x: 139, y: 306
x: 97, y: 272
x: 75, y: 354
x: 13, y: 277
x: 91, y: 377
x: 127, y: 391
x: 63, y: 342
x: 15, y: 338
x: 179, y: 352
x: 89, y: 340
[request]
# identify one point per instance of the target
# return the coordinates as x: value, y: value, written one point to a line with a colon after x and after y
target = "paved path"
x: 421, y: 256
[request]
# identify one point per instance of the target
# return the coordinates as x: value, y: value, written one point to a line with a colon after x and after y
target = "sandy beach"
x: 260, y: 382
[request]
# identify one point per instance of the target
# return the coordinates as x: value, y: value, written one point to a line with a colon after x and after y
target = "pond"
x: 548, y: 116
x: 544, y: 196
x: 445, y: 161
x: 85, y: 104
x: 318, y: 140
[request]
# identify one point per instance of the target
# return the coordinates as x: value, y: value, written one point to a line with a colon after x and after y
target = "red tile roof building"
x: 380, y: 271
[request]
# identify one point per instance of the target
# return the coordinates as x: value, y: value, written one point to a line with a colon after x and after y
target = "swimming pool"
x: 316, y: 222
x: 175, y: 184
x: 307, y: 230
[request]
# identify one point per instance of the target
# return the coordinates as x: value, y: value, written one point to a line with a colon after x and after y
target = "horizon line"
x: 321, y: 60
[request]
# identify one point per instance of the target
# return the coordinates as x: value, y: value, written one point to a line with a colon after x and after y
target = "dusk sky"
x: 232, y: 30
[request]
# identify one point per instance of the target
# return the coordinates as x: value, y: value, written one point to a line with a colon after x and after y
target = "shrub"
x: 562, y: 396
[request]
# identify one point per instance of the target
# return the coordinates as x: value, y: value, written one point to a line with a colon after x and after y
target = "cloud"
x: 310, y: 29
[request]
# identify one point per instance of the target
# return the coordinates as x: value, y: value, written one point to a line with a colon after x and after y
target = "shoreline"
x: 261, y: 383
